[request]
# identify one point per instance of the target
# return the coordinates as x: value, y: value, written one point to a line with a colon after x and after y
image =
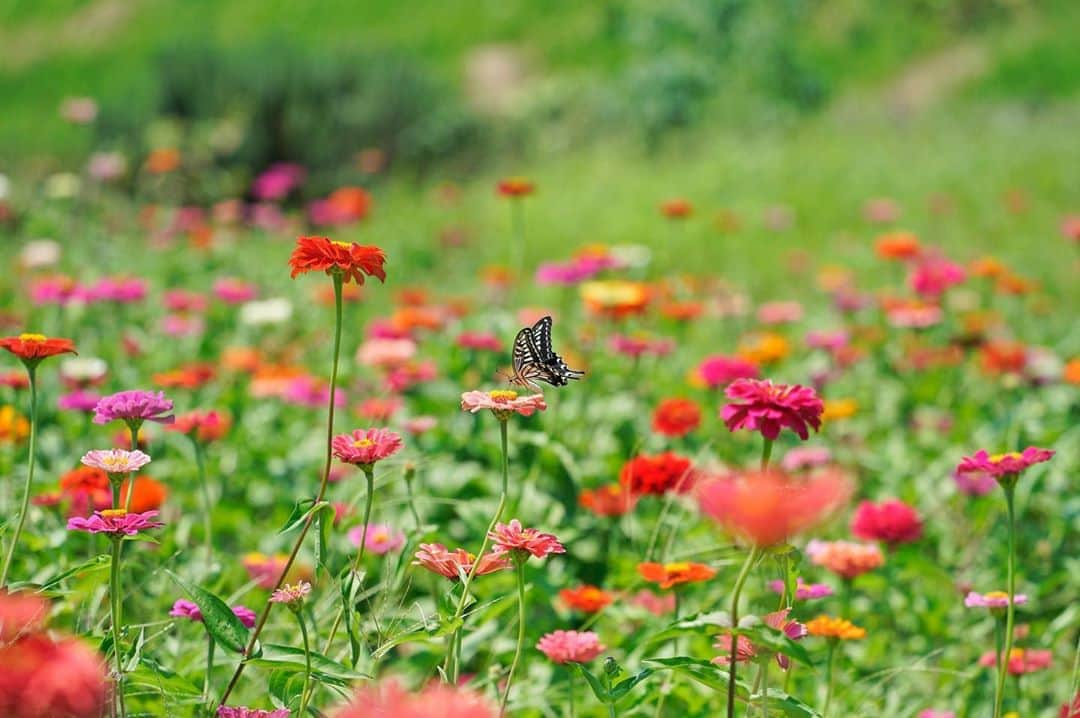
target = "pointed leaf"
x: 218, y: 618
x: 602, y: 694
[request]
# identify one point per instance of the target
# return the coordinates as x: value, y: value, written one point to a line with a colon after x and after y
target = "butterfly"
x: 534, y: 359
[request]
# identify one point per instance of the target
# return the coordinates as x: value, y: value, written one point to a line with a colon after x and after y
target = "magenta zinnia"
x: 768, y: 408
x: 115, y: 522
x: 1003, y: 464
x: 134, y: 407
x: 365, y: 447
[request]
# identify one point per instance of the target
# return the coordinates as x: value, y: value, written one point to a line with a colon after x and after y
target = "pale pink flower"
x: 993, y: 599
x: 656, y: 604
x: 805, y: 457
x: 846, y: 559
x: 511, y: 537
x: 365, y: 447
x: 116, y: 461
x: 576, y: 646
x: 385, y: 353
x: 381, y: 538
x: 803, y: 591
x: 420, y: 424
x: 779, y: 312
x: 182, y: 325
x: 504, y: 403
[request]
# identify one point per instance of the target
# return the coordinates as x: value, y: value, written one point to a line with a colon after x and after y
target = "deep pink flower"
x: 311, y: 392
x: 503, y: 403
x: 719, y: 370
x: 134, y: 406
x: 122, y: 290
x: 891, y: 521
x: 365, y: 447
x: 638, y: 345
x: 829, y: 341
x: 803, y: 591
x: 1003, y: 464
x: 975, y: 483
x: 79, y: 400
x: 115, y: 522
x: 183, y: 608
x: 277, y: 180
x: 244, y: 712
x: 511, y: 537
x: 576, y: 646
x: 932, y: 276
x: 769, y: 407
x: 183, y: 301
x: 455, y: 564
x: 381, y: 538
x: 234, y: 291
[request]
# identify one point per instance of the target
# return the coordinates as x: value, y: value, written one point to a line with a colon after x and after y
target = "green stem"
x: 133, y: 429
x: 369, y: 475
x: 200, y: 463
x: 828, y: 677
x: 519, y: 564
x: 570, y: 690
x: 763, y: 676
x: 29, y: 477
x: 766, y: 453
x: 115, y: 606
x: 744, y: 573
x: 1010, y: 611
x: 305, y: 696
x: 505, y: 457
x: 210, y: 645
x: 249, y: 651
x: 410, y: 474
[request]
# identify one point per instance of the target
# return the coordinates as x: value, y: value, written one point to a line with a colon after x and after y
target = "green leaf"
x: 696, y: 624
x: 300, y: 511
x: 324, y: 514
x: 602, y: 694
x: 624, y: 686
x: 291, y: 659
x: 218, y: 618
x: 704, y: 672
x: 776, y: 641
x: 286, y: 685
x: 97, y: 563
x: 788, y: 705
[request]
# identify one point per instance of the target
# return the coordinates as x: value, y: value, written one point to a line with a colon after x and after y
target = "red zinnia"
x: 204, y: 426
x: 676, y: 417
x: 515, y: 187
x: 352, y: 261
x: 891, y: 521
x: 586, y: 598
x: 658, y: 474
x: 32, y: 348
x: 769, y: 407
x: 610, y: 500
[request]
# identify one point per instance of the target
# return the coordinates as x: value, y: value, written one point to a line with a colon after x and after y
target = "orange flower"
x: 1003, y: 357
x: 162, y: 160
x: 586, y: 598
x: 515, y: 187
x: 32, y: 348
x: 839, y: 409
x: 13, y: 426
x: 1014, y: 284
x: 898, y: 245
x: 148, y: 494
x: 764, y: 348
x: 672, y: 574
x: 682, y: 311
x: 610, y: 500
x: 840, y: 628
x: 990, y: 267
x: 497, y: 277
x: 350, y: 203
x: 677, y: 208
x: 205, y: 426
x: 615, y: 298
x: 241, y: 359
x: 352, y: 261
x: 409, y: 318
x: 1071, y: 374
x: 676, y: 417
x: 191, y: 376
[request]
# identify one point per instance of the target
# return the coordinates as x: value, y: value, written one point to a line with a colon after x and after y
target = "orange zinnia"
x: 352, y: 261
x: 586, y: 598
x: 32, y: 348
x: 515, y: 187
x: 829, y: 627
x: 671, y: 574
x: 610, y: 500
x: 898, y: 245
x: 148, y: 494
x: 352, y: 203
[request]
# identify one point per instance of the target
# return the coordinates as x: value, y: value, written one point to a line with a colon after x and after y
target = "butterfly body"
x: 535, y: 360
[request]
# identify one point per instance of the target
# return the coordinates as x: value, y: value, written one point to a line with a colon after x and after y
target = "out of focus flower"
x: 974, y: 483
x: 182, y: 608
x: 32, y: 348
x: 1021, y: 660
x: 265, y: 570
x: 83, y: 371
x: 381, y: 538
x: 913, y: 314
x: 479, y: 341
x: 87, y: 488
x: 503, y: 403
x: 203, y: 426
x: 438, y: 700
x: 115, y: 522
x: 116, y: 461
x: 669, y: 575
x: 933, y: 276
x: 39, y: 253
x: 277, y: 181
x: 351, y: 261
x: 676, y: 417
x: 609, y: 500
x: 803, y: 591
x: 79, y: 110
x: 677, y: 208
x: 764, y: 348
x: 15, y: 379
x: 134, y: 407
x: 266, y: 311
x: 310, y: 391
x: 747, y: 651
x: 344, y: 205
x: 1072, y: 708
x: 420, y: 424
x: 191, y: 376
x: 47, y: 678
x: 511, y: 538
x: 106, y: 166
x: 575, y: 646
x: 801, y: 458
x: 244, y: 712
x: 1003, y: 465
x: 768, y: 408
x: 892, y: 522
x: 718, y: 371
x: 780, y: 312
x: 898, y: 245
x: 386, y: 353
x: 845, y: 558
x: 13, y: 426
x: 993, y: 599
x: 881, y: 210
x: 931, y: 713
x: 837, y: 628
x: 656, y: 604
x: 21, y: 614
x: 515, y: 187
x: 769, y: 507
x: 586, y: 598
x: 119, y: 290
x: 656, y: 475
x: 232, y: 290
x: 615, y: 298
x: 379, y: 409
x: 365, y: 447
x: 638, y: 345
x: 454, y: 564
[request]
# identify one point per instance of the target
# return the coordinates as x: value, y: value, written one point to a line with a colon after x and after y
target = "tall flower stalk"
x: 114, y: 610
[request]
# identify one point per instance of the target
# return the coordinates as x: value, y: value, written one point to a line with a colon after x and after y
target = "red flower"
x: 586, y: 598
x: 677, y: 208
x: 515, y: 187
x: 352, y: 261
x: 205, y: 426
x: 891, y: 521
x: 32, y: 348
x: 610, y: 500
x: 43, y: 677
x: 676, y: 417
x: 770, y: 407
x: 657, y: 475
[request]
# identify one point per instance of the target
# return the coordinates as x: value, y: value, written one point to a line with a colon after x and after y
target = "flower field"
x: 780, y: 425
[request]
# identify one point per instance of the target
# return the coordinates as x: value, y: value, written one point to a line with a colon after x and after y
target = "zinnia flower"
x: 115, y: 461
x: 803, y: 591
x: 21, y: 614
x: 805, y: 457
x: 610, y: 500
x: 204, y: 426
x: 291, y: 594
x: 183, y: 608
x: 438, y: 700
x: 720, y: 370
x: 891, y: 521
x: 656, y: 475
x: 668, y: 575
x: 514, y: 187
x: 244, y: 712
x: 366, y: 447
x: 677, y: 208
x: 836, y: 628
x: 351, y: 261
x: 586, y: 598
x: 845, y: 558
x: 46, y: 678
x: 455, y: 564
x: 265, y: 570
x: 1021, y: 660
x: 134, y: 407
x: 381, y: 539
x: 655, y: 603
x: 746, y: 650
x: 676, y: 417
x: 575, y: 646
x: 993, y: 599
x: 32, y: 348
x: 511, y: 538
x: 502, y: 402
x: 769, y: 407
x: 115, y: 522
x: 1003, y: 465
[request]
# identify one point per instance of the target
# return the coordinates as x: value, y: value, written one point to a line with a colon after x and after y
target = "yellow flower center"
x: 363, y: 443
x: 36, y: 338
x: 380, y: 536
x: 345, y: 245
x: 997, y: 458
x: 503, y: 395
x: 996, y: 595
x: 680, y: 567
x: 113, y: 513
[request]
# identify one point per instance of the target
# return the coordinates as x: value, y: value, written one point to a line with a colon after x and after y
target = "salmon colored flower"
x: 47, y: 678
x: 438, y: 700
x: 292, y: 595
x: 365, y: 447
x: 115, y: 522
x: 780, y: 312
x: 805, y: 457
x: 769, y: 507
x: 511, y: 538
x: 1021, y: 660
x: 586, y: 598
x: 455, y: 564
x: 204, y: 426
x: 657, y: 604
x: 571, y: 646
x: 503, y: 403
x: 163, y: 160
x: 768, y: 408
x: 515, y: 187
x: 32, y: 348
x: 837, y: 628
x: 1003, y: 465
x: 668, y: 575
x: 676, y: 417
x: 891, y: 521
x: 845, y: 558
x: 609, y: 500
x: 266, y: 570
x: 639, y: 345
x: 352, y: 261
x: 656, y: 475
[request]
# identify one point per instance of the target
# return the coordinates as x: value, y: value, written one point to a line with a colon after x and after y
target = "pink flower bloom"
x: 805, y: 457
x: 576, y: 646
x: 388, y: 699
x: 932, y: 276
x: 993, y: 599
x: 311, y: 392
x: 79, y: 400
x: 135, y: 406
x: 803, y: 591
x: 182, y: 325
x: 1021, y: 660
x: 502, y: 402
x: 845, y: 558
x: 244, y: 712
x: 403, y: 378
x: 379, y: 409
x: 365, y: 447
x: 719, y: 370
x: 455, y: 564
x: 234, y: 291
x: 830, y: 341
x: 121, y: 290
x: 770, y: 407
x: 507, y: 538
x: 277, y: 181
x: 479, y: 341
x: 183, y: 608
x: 385, y: 353
x: 656, y: 604
x: 291, y: 594
x: 779, y: 312
x: 53, y: 290
x: 265, y: 570
x: 420, y: 424
x: 638, y: 345
x: 974, y: 483
x: 116, y: 461
x: 932, y: 713
x: 914, y: 315
x: 183, y: 301
x: 381, y: 539
x: 115, y: 522
x: 891, y: 521
x: 1003, y: 464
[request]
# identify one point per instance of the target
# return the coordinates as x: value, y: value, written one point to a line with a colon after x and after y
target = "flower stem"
x: 766, y: 454
x: 519, y: 564
x: 410, y: 474
x: 570, y: 691
x: 210, y: 645
x: 200, y: 463
x: 744, y: 573
x: 505, y: 457
x: 29, y: 478
x: 133, y: 428
x: 319, y: 497
x: 305, y: 695
x: 1010, y: 611
x: 115, y: 606
x: 828, y: 677
x: 369, y: 474
x: 763, y: 676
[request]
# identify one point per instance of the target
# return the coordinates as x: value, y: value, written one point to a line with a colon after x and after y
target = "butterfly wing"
x: 533, y: 357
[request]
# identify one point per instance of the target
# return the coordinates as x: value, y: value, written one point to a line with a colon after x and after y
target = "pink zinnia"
x: 656, y: 604
x: 479, y: 341
x: 115, y: 522
x: 719, y: 370
x: 975, y: 483
x: 637, y: 345
x: 747, y: 651
x: 455, y: 564
x: 993, y: 599
x: 780, y: 312
x: 933, y: 276
x: 845, y: 558
x: 769, y: 407
x: 437, y: 700
x: 420, y: 424
x: 805, y: 457
x: 311, y: 392
x: 932, y: 713
x: 134, y: 407
x: 576, y: 646
x: 1021, y: 660
x: 511, y: 537
x: 891, y: 521
x: 183, y: 608
x: 385, y: 353
x: 503, y: 403
x: 234, y: 291
x: 1001, y: 465
x: 291, y: 594
x: 381, y: 538
x: 79, y: 400
x: 365, y: 447
x: 803, y: 591
x: 244, y: 712
x: 116, y: 461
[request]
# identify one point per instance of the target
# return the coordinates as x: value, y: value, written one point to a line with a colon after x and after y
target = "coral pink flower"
x: 381, y: 538
x: 719, y: 370
x: 115, y: 522
x: 181, y: 300
x: 204, y: 426
x: 891, y: 521
x: 503, y: 403
x: 43, y: 678
x: 21, y: 614
x: 803, y: 591
x: 1001, y: 465
x: 830, y: 341
x: 405, y: 377
x: 244, y: 712
x: 379, y: 409
x: 116, y: 461
x: 385, y: 352
x: 914, y: 315
x: 656, y: 604
x: 993, y: 599
x: 438, y: 700
x: 747, y: 651
x: 455, y: 564
x: 769, y: 407
x: 608, y: 500
x: 134, y: 407
x: 779, y: 312
x: 845, y: 558
x: 1021, y: 660
x: 365, y: 447
x: 420, y: 424
x: 639, y: 345
x: 479, y: 341
x: 576, y: 646
x: 511, y: 537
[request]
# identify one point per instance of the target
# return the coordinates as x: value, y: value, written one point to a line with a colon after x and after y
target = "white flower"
x: 80, y: 369
x: 38, y: 253
x: 266, y: 311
